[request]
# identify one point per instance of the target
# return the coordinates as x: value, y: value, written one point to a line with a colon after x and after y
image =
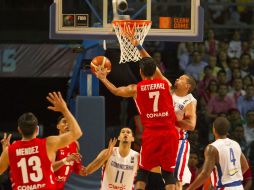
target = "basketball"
x: 100, y: 62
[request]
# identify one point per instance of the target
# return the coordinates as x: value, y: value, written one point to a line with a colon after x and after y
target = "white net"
x: 139, y: 29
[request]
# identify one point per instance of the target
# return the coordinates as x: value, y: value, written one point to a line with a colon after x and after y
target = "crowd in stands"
x: 224, y: 71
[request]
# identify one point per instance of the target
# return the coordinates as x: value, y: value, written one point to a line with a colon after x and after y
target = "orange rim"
x: 131, y: 23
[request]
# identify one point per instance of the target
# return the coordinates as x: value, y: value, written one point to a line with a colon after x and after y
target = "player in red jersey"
x: 185, y: 109
x: 30, y: 159
x: 67, y: 159
x: 154, y: 103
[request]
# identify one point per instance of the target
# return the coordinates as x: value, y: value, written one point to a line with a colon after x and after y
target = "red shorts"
x: 159, y: 148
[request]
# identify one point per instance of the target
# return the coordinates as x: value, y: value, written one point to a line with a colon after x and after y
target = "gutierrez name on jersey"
x: 152, y: 86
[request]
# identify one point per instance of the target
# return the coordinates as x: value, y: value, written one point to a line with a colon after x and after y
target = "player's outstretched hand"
x: 131, y: 36
x: 101, y: 73
x: 57, y: 101
x: 76, y: 157
x: 83, y: 171
x: 6, y: 141
x: 111, y: 145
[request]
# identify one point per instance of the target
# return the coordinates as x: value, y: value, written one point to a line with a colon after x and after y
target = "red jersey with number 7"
x: 154, y: 103
x: 30, y: 167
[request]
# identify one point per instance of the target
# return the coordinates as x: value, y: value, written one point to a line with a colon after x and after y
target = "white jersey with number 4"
x: 228, y: 173
x: 119, y: 172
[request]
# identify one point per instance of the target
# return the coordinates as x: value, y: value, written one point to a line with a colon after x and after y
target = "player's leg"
x: 149, y: 156
x: 169, y: 180
x: 155, y: 180
x: 179, y: 185
x: 168, y: 158
x: 141, y: 179
x: 182, y: 171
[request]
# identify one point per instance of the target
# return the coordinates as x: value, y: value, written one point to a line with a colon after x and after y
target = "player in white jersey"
x: 120, y: 166
x: 185, y: 108
x: 224, y: 159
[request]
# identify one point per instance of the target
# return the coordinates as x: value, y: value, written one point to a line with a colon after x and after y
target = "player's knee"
x: 168, y: 177
x: 142, y: 175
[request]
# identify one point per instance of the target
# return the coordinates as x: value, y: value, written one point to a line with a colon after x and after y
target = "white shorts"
x: 182, y: 171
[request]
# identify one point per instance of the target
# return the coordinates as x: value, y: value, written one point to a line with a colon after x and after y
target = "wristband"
x: 139, y: 47
x: 65, y: 162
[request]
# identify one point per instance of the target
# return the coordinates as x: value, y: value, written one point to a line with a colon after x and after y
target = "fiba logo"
x: 81, y: 20
x: 81, y: 17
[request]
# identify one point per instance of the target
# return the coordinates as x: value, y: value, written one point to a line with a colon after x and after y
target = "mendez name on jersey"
x: 27, y: 151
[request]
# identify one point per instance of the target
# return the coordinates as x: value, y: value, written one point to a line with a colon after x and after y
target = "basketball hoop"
x: 138, y: 28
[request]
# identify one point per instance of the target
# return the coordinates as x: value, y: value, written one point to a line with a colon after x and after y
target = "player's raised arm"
x: 4, y: 159
x: 144, y: 53
x: 59, y: 105
x: 123, y: 91
x: 102, y: 158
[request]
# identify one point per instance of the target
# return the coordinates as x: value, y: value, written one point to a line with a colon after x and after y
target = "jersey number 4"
x: 232, y: 156
x: 155, y: 95
x: 33, y: 162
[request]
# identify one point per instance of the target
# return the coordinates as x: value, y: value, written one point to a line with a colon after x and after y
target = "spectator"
x: 181, y: 49
x: 237, y: 89
x: 245, y: 63
x: 235, y: 74
x: 185, y: 58
x: 206, y: 78
x: 202, y: 50
x: 209, y: 92
x: 252, y: 49
x: 234, y: 63
x: 237, y: 134
x: 246, y: 102
x: 249, y: 127
x: 222, y: 77
x: 235, y: 46
x: 223, y: 46
x: 234, y: 118
x: 247, y: 80
x: 196, y: 67
x: 211, y: 43
x: 213, y: 64
x: 193, y: 166
x: 220, y: 103
x: 157, y: 58
x: 223, y: 62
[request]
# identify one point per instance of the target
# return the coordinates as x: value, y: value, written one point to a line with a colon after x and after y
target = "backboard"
x: 172, y: 20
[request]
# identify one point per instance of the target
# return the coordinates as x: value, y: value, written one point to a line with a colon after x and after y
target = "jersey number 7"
x: 155, y: 95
